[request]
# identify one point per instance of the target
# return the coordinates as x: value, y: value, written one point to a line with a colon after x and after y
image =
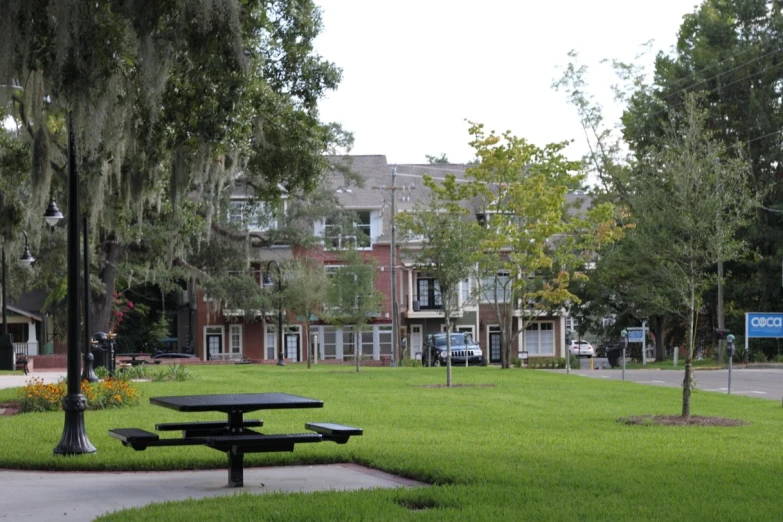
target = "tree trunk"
x: 687, y: 380
x: 447, y: 316
x: 101, y: 305
x: 357, y: 347
x: 508, y: 339
x: 658, y: 324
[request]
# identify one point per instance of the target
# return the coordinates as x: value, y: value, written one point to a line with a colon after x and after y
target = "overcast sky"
x: 415, y: 71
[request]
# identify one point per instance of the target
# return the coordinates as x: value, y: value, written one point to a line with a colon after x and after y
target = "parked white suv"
x: 582, y: 348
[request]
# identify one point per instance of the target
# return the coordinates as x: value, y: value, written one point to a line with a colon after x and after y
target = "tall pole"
x: 393, y: 258
x: 5, y: 296
x: 6, y: 346
x: 393, y: 188
x: 74, y: 439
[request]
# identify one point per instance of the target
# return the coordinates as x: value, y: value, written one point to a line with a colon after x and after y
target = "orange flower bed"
x: 110, y: 393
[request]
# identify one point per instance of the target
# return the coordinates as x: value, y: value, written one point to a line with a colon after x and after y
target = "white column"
x: 32, y: 338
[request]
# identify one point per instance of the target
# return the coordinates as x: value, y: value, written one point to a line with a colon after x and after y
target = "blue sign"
x: 764, y: 325
x: 635, y: 336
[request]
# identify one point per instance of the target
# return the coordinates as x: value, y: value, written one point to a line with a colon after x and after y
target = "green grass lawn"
x: 700, y: 364
x: 534, y: 446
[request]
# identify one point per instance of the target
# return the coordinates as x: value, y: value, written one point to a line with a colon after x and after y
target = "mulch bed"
x: 679, y: 420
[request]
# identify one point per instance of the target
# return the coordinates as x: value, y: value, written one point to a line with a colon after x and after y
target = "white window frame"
x: 246, y: 214
x: 492, y: 291
x: 538, y: 330
x: 235, y: 339
x: 270, y: 340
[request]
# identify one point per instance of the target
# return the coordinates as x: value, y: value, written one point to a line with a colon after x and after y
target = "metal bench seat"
x: 141, y: 439
x: 338, y: 433
x: 259, y: 443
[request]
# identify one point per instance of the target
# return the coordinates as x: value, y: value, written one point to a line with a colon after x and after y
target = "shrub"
x: 132, y: 372
x: 516, y: 362
x: 174, y: 372
x: 111, y: 393
x: 411, y: 363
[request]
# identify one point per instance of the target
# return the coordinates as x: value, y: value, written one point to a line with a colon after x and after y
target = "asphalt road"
x: 764, y: 383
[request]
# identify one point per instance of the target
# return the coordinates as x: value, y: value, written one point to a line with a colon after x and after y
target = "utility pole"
x: 392, y: 189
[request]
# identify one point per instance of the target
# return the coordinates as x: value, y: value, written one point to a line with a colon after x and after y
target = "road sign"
x: 764, y: 325
x: 635, y: 336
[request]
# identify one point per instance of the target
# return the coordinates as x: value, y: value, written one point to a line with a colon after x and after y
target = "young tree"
x: 443, y: 238
x: 532, y: 245
x: 306, y: 292
x: 352, y: 299
x: 694, y: 199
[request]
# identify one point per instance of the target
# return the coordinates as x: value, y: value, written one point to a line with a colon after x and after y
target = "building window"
x: 428, y: 293
x: 540, y: 338
x: 235, y: 338
x: 271, y: 341
x: 464, y: 292
x: 329, y: 342
x: 496, y: 289
x: 385, y: 340
x: 339, y: 234
x: 252, y: 215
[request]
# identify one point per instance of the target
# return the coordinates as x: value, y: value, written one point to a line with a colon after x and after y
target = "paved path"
x: 751, y: 382
x: 82, y: 496
x: 19, y: 379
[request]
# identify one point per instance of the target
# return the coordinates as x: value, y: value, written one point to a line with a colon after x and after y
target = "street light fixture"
x: 74, y: 439
x: 6, y: 344
x: 52, y: 214
x: 269, y: 283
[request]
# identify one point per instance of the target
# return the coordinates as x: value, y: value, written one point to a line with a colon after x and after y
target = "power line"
x: 705, y: 80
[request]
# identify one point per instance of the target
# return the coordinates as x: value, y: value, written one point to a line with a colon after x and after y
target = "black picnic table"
x: 234, y: 436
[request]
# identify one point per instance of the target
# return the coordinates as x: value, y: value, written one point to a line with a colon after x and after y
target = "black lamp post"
x: 74, y: 439
x: 268, y: 283
x: 6, y: 344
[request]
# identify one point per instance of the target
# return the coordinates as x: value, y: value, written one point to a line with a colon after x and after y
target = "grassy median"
x: 504, y: 445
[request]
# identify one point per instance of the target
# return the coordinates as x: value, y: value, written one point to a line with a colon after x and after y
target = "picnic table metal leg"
x: 236, y: 465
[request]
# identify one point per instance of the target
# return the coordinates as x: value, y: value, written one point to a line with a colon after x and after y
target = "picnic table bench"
x: 234, y: 436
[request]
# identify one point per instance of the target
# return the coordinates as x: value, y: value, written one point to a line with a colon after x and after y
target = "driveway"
x: 764, y: 383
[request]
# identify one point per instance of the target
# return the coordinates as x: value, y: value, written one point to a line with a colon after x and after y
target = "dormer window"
x: 342, y: 234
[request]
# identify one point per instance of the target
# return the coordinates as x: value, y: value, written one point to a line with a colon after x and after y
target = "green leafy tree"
x: 167, y: 99
x: 352, y: 300
x: 308, y: 288
x: 690, y: 208
x: 729, y: 54
x: 443, y: 238
x: 533, y: 247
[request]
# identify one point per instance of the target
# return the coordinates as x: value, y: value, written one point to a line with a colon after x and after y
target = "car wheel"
x: 436, y: 362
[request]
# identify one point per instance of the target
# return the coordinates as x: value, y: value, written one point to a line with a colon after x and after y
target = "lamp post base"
x: 74, y: 440
x: 280, y: 361
x: 88, y: 373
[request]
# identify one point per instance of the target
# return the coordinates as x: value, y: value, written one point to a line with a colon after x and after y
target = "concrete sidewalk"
x: 19, y: 379
x: 81, y: 496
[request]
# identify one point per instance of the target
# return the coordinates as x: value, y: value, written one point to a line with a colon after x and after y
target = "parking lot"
x: 766, y: 383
